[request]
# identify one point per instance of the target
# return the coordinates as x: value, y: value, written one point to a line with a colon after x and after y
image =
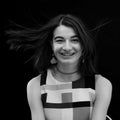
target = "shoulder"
x: 33, y: 86
x: 33, y: 97
x: 103, y: 87
x: 101, y: 80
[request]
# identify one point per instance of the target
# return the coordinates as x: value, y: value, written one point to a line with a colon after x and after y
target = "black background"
x: 15, y: 74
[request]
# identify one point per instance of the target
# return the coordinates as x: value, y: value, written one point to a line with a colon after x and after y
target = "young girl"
x: 68, y: 86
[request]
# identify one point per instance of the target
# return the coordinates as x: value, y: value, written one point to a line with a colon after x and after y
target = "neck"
x: 67, y: 69
x: 66, y: 73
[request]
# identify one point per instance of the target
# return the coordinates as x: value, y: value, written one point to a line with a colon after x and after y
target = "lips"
x: 67, y: 53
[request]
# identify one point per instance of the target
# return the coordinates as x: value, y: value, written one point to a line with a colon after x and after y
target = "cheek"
x: 78, y: 47
x: 56, y: 47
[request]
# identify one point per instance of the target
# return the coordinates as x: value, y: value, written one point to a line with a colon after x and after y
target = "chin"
x: 68, y: 61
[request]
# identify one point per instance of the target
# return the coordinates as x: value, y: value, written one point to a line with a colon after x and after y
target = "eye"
x: 59, y: 40
x: 75, y: 40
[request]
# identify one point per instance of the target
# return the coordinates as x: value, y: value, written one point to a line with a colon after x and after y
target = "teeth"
x: 67, y: 54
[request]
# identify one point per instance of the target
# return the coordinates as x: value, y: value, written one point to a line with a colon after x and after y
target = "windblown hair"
x: 39, y: 39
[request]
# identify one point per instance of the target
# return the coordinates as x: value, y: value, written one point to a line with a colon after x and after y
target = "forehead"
x: 64, y: 31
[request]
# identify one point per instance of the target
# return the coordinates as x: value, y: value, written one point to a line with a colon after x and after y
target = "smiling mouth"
x: 67, y: 54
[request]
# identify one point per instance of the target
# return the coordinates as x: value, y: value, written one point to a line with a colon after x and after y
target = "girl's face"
x: 66, y: 45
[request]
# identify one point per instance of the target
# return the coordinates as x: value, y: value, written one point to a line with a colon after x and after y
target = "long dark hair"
x: 39, y: 39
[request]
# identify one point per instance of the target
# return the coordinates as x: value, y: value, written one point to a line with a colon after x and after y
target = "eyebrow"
x: 74, y: 36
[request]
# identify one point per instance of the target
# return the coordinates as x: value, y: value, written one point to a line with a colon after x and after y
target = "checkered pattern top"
x: 67, y: 100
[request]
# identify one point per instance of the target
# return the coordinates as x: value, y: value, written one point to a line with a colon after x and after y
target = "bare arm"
x: 34, y: 99
x: 103, y: 98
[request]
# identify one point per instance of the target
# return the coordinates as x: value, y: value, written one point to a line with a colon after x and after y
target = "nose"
x: 67, y: 45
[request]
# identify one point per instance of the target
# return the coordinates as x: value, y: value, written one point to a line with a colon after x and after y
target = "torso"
x: 67, y: 100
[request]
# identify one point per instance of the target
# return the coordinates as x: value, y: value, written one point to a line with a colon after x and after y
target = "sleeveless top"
x: 67, y: 100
